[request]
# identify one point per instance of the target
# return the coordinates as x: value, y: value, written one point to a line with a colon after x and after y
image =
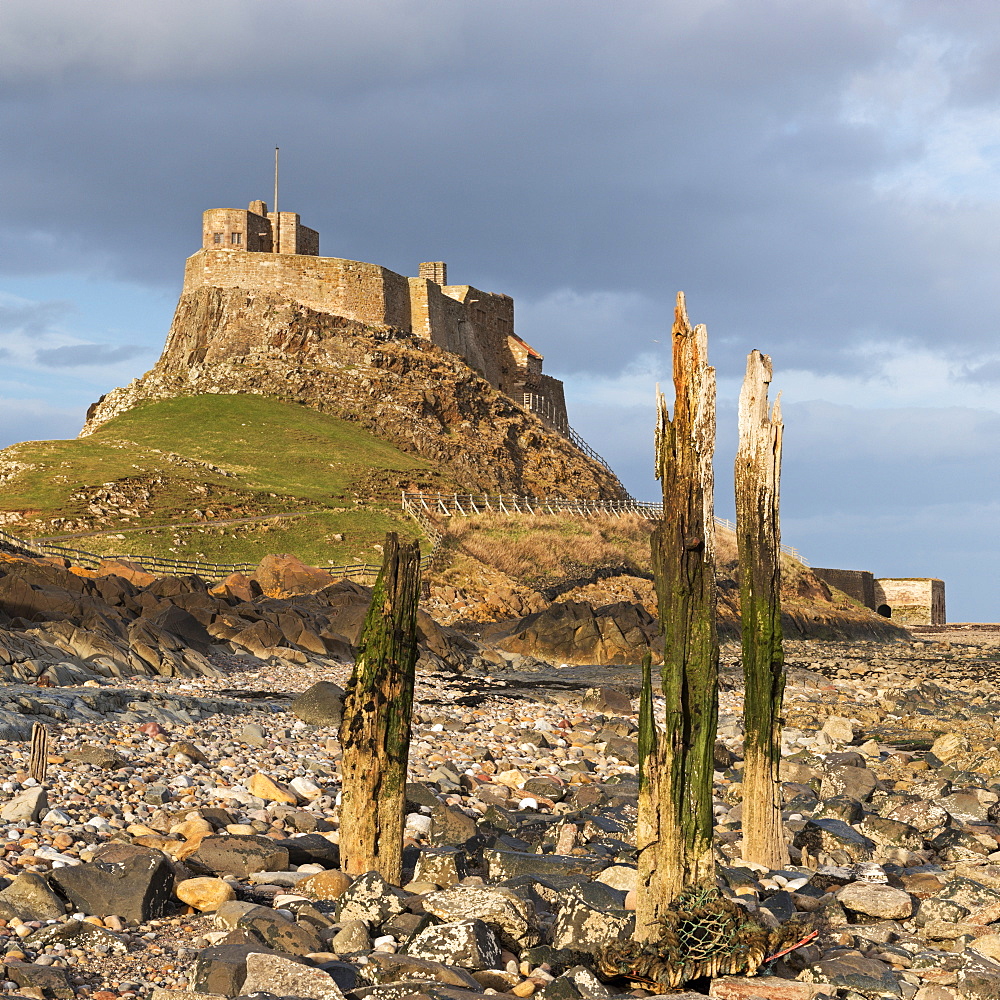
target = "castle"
x: 257, y: 250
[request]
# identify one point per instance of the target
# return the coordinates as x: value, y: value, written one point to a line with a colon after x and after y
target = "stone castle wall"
x: 476, y: 325
x: 856, y: 583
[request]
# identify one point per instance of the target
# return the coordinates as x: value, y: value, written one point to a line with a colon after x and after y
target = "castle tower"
x: 434, y: 270
x: 252, y: 230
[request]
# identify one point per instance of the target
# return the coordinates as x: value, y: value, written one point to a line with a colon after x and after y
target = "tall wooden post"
x: 375, y: 730
x: 674, y: 833
x: 758, y: 535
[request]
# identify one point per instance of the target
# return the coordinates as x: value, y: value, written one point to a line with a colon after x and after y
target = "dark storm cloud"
x: 79, y: 355
x: 818, y: 177
x: 537, y: 147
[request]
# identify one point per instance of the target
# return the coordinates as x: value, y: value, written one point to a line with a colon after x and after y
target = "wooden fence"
x: 421, y: 506
x: 364, y: 573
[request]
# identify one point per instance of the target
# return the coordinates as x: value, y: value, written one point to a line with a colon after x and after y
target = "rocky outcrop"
x: 419, y: 397
x: 60, y: 626
x: 575, y: 632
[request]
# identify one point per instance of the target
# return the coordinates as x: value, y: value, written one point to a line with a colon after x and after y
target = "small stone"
x: 305, y: 789
x: 204, y: 893
x: 882, y: 901
x: 324, y: 885
x: 269, y: 790
x: 320, y: 705
x: 25, y: 807
x: 839, y: 730
x: 283, y: 977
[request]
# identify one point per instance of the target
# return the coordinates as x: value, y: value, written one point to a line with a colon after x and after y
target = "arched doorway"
x: 884, y: 610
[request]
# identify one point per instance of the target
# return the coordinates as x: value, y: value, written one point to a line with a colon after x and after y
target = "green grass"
x: 281, y: 458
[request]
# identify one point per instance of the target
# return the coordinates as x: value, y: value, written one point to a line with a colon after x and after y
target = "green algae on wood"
x: 375, y: 729
x: 674, y: 833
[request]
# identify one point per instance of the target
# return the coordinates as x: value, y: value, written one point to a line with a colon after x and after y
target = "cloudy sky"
x: 820, y: 178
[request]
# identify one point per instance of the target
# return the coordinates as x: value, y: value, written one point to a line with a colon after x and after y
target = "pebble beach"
x: 891, y: 776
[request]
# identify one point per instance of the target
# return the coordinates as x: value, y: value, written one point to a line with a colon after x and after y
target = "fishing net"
x: 702, y: 933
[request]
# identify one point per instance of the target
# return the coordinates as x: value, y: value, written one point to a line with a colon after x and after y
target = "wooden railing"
x: 358, y: 572
x: 582, y: 445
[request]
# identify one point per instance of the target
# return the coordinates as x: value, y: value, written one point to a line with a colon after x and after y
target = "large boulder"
x: 320, y: 705
x: 138, y: 887
x: 238, y: 855
x: 279, y: 575
x: 576, y: 632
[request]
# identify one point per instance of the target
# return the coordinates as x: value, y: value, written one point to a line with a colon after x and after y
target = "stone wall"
x: 911, y: 600
x: 219, y: 226
x: 856, y: 583
x: 476, y: 325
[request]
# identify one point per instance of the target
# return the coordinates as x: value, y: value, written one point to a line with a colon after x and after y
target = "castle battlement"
x: 256, y: 250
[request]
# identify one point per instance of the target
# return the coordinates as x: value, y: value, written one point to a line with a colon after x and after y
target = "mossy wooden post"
x: 375, y: 730
x: 674, y: 834
x: 758, y: 536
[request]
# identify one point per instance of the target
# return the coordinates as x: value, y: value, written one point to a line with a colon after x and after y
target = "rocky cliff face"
x: 407, y: 391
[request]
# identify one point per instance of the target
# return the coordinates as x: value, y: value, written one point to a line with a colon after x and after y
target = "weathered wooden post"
x: 758, y: 536
x: 38, y: 764
x: 674, y: 833
x: 375, y: 729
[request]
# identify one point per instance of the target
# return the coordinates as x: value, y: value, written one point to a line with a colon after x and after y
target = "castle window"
x: 217, y: 237
x: 237, y: 239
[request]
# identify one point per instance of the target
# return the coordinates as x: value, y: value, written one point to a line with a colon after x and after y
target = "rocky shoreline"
x: 185, y: 841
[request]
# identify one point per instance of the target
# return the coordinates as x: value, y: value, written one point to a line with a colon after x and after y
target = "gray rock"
x: 621, y: 877
x: 468, y: 944
x: 222, y: 969
x: 961, y: 899
x: 966, y: 805
x: 856, y: 783
x: 445, y: 866
x: 320, y: 705
x: 866, y: 976
x: 136, y: 888
x: 285, y: 978
x: 891, y: 833
x: 607, y: 700
x: 841, y: 807
x: 587, y: 984
x: 874, y: 900
x: 253, y: 734
x: 954, y: 844
x: 924, y: 815
x: 50, y: 981
x: 581, y: 926
x: 238, y: 855
x: 451, y: 826
x: 352, y: 939
x: 271, y: 928
x: 79, y: 934
x: 29, y: 897
x: 502, y: 908
x: 509, y: 864
x: 371, y: 899
x: 835, y: 838
x: 383, y: 967
x: 26, y: 806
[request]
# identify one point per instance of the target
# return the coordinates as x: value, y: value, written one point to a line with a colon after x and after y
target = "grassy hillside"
x: 192, y: 462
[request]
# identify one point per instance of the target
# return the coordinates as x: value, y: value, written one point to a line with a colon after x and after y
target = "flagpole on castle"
x: 277, y: 218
